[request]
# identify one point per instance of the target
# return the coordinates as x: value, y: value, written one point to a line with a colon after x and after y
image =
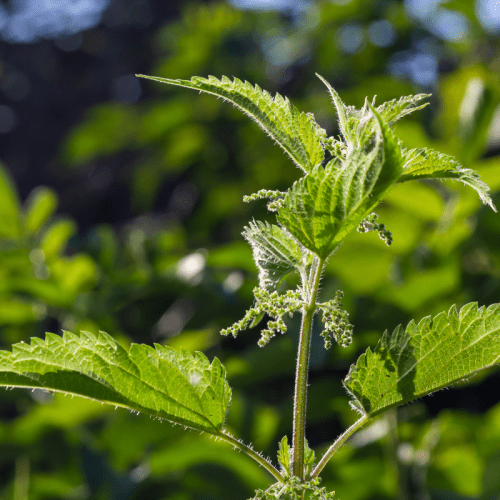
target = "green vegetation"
x: 345, y: 179
x: 140, y: 236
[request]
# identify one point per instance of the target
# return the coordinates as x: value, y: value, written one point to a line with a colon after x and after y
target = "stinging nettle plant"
x: 343, y: 181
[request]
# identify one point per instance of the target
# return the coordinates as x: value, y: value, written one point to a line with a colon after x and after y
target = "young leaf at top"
x: 424, y: 358
x: 394, y: 110
x: 275, y: 252
x: 297, y: 133
x: 352, y: 120
x: 322, y: 207
x: 342, y: 111
x: 175, y: 386
x: 426, y: 163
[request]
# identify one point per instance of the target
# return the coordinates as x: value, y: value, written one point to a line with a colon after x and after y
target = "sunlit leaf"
x: 9, y: 207
x: 56, y: 236
x: 108, y: 128
x: 41, y: 205
x: 324, y: 206
x: 284, y: 456
x: 175, y: 386
x: 351, y: 120
x: 424, y: 358
x: 297, y: 133
x: 394, y: 110
x: 477, y: 109
x: 426, y: 163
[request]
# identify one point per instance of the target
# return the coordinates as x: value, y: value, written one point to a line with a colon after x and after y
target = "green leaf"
x: 297, y: 133
x: 351, y: 118
x: 275, y: 252
x: 424, y: 358
x: 175, y: 386
x: 394, y: 110
x: 476, y: 112
x: 309, y: 457
x: 106, y: 129
x: 284, y: 456
x: 324, y: 206
x: 56, y: 237
x: 257, y: 320
x: 41, y: 206
x: 342, y: 111
x: 9, y: 207
x: 423, y: 163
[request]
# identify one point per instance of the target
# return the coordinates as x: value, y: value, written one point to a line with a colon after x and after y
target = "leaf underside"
x: 424, y: 358
x: 322, y: 207
x: 426, y: 163
x: 297, y: 133
x: 275, y: 252
x: 171, y: 385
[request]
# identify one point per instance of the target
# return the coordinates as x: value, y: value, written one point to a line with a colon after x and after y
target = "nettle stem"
x: 300, y: 400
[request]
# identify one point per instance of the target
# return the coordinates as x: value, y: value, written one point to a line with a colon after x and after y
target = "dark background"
x: 138, y: 232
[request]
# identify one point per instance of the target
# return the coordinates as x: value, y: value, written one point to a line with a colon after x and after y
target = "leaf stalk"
x: 251, y: 453
x: 337, y: 444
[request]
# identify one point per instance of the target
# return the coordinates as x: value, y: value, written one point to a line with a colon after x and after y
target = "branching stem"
x: 337, y: 444
x: 300, y: 400
x: 251, y: 453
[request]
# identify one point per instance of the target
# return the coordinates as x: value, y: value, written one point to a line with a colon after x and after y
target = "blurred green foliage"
x: 180, y: 271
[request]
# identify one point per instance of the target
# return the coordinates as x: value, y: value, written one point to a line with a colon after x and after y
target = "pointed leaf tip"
x: 297, y: 133
x: 423, y: 163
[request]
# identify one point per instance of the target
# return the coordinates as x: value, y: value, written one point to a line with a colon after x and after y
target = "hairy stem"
x: 251, y: 453
x: 300, y: 400
x: 337, y: 444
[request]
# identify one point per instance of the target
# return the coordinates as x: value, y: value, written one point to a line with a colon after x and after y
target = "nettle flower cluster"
x: 276, y: 305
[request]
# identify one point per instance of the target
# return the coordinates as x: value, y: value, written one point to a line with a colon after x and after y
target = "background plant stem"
x: 300, y: 400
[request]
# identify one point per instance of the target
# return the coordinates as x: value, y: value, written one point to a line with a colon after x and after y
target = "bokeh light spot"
x: 271, y: 4
x: 381, y: 33
x: 29, y: 20
x: 420, y: 67
x: 350, y: 37
x: 233, y: 282
x: 421, y: 9
x: 277, y: 50
x: 190, y: 268
x: 488, y: 13
x: 449, y: 25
